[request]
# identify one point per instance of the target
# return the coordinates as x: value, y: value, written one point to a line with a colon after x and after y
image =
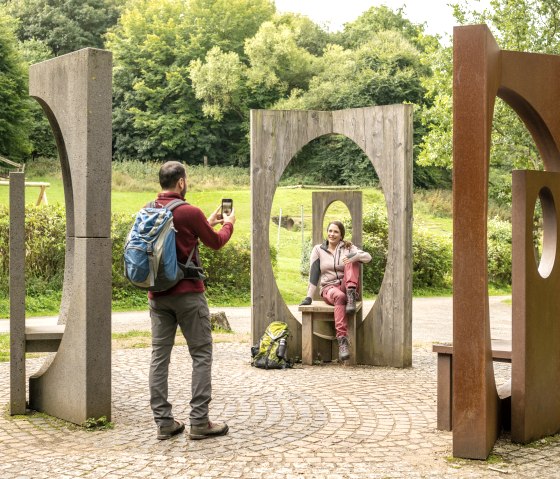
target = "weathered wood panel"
x: 385, y: 134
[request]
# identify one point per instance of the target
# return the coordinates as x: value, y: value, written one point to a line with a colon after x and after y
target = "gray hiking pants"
x: 190, y: 312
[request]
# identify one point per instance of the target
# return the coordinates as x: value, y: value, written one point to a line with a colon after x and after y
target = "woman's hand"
x: 350, y: 259
x: 215, y: 218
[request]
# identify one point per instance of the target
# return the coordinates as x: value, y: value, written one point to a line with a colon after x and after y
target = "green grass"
x: 213, y: 185
x: 4, y: 347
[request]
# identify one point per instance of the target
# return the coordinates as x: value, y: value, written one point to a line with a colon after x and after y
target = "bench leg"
x: 307, y: 339
x: 444, y: 392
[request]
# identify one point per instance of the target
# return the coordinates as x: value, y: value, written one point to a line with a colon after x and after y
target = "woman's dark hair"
x: 340, y: 226
x: 170, y: 173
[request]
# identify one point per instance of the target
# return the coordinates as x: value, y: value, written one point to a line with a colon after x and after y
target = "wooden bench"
x: 43, y: 339
x: 501, y: 352
x: 42, y: 193
x: 316, y: 343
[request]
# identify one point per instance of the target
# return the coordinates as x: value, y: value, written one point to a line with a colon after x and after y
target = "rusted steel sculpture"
x: 528, y: 84
x: 384, y: 133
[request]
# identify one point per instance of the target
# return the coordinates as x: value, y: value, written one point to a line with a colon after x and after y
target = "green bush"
x: 374, y: 271
x: 228, y: 270
x: 499, y: 252
x: 45, y: 230
x: 431, y: 260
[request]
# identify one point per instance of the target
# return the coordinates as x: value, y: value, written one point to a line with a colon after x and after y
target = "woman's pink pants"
x: 336, y: 296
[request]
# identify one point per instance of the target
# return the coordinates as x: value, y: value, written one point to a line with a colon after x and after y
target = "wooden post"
x: 205, y: 161
x: 17, y: 293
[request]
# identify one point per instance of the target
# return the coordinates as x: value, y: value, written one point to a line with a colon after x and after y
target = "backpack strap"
x: 169, y: 206
x: 174, y: 203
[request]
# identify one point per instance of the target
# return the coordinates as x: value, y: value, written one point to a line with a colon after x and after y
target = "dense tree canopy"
x: 156, y: 112
x: 64, y: 25
x: 187, y: 73
x: 14, y: 106
x: 525, y: 25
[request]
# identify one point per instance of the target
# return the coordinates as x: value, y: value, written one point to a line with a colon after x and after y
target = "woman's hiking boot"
x: 351, y: 301
x: 343, y: 348
x: 210, y: 429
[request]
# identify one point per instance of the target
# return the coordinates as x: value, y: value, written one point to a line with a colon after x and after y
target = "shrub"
x: 499, y: 252
x: 374, y: 271
x: 431, y: 260
x: 45, y: 230
x: 228, y: 270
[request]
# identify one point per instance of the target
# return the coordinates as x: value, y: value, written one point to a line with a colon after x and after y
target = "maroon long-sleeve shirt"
x: 191, y: 224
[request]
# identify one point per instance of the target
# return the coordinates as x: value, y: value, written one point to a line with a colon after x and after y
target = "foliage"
x: 14, y: 111
x: 156, y: 114
x: 305, y: 265
x: 64, y: 25
x: 4, y: 347
x: 45, y: 230
x: 499, y: 252
x: 381, y: 19
x: 524, y: 25
x: 431, y: 260
x: 228, y: 270
x: 40, y: 133
x: 99, y: 424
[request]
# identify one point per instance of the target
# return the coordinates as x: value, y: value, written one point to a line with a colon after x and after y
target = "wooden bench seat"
x: 501, y: 352
x: 316, y: 340
x: 43, y: 339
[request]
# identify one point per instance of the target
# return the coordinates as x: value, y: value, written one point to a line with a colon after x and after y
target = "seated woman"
x: 335, y: 263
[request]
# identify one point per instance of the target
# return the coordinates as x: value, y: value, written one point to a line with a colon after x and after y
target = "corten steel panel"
x: 385, y: 134
x: 536, y: 309
x: 475, y: 84
x: 482, y: 72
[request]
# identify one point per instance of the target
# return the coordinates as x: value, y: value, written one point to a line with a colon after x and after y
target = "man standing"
x: 185, y: 306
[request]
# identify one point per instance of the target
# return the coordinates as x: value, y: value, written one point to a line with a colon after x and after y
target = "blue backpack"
x: 150, y: 253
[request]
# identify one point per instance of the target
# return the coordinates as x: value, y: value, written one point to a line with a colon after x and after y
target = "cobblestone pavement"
x: 329, y: 421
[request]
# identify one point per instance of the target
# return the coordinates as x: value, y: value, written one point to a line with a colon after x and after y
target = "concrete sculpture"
x: 384, y: 133
x: 75, y: 92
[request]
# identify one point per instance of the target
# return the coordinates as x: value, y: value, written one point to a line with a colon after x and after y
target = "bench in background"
x: 501, y: 352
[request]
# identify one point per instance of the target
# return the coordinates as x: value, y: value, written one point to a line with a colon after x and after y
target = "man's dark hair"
x: 170, y: 173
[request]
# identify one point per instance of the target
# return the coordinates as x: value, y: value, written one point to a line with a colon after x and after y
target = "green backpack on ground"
x: 272, y: 351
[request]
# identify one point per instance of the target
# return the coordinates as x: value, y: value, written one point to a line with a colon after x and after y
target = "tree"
x: 526, y: 25
x: 40, y: 133
x: 156, y: 113
x: 14, y: 112
x: 386, y: 69
x: 380, y: 19
x: 64, y: 25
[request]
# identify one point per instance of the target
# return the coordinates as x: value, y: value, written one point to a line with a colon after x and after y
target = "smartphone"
x: 227, y: 206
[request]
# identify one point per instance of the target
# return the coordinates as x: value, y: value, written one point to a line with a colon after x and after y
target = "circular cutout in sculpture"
x: 544, y: 238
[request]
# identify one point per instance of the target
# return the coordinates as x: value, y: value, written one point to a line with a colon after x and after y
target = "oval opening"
x: 290, y: 230
x: 545, y: 232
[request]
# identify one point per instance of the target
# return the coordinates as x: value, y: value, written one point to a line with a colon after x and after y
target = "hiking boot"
x: 343, y: 348
x: 167, y: 432
x: 351, y: 301
x: 211, y: 429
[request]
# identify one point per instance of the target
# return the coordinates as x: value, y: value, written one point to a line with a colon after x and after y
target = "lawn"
x: 290, y: 201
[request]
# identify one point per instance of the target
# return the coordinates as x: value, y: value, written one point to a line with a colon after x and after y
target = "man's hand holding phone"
x: 223, y: 213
